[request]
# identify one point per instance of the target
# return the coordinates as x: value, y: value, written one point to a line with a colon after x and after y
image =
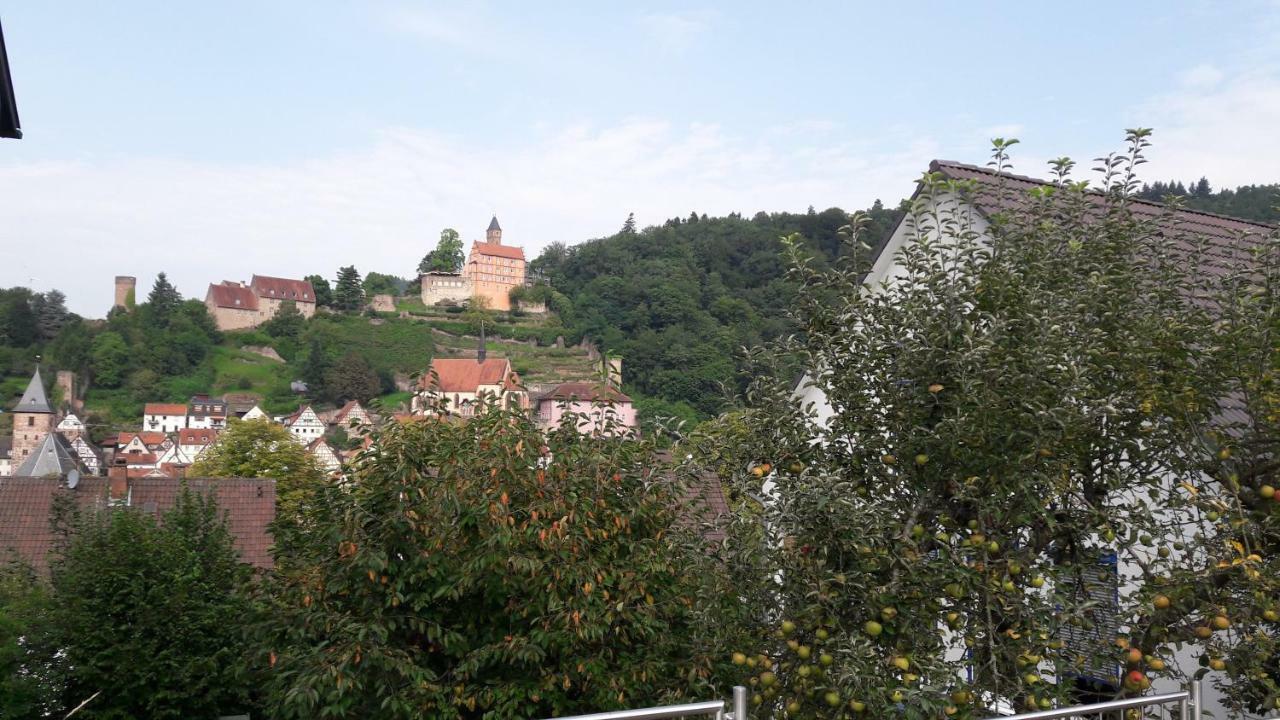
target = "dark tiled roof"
x: 704, y: 507
x: 248, y: 504
x: 493, y: 224
x: 54, y: 457
x: 282, y: 288
x: 1229, y: 240
x: 233, y: 295
x: 34, y: 399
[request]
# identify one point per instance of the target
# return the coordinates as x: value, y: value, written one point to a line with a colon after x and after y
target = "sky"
x: 214, y: 141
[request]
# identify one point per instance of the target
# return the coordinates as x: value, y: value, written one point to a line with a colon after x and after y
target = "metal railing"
x: 1189, y: 704
x: 1188, y: 701
x: 711, y: 708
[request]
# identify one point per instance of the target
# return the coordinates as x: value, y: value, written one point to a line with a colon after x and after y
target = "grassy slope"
x: 403, y: 346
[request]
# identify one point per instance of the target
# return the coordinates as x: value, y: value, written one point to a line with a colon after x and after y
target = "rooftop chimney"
x: 118, y: 483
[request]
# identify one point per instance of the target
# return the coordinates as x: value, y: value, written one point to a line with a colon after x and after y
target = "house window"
x: 30, y: 421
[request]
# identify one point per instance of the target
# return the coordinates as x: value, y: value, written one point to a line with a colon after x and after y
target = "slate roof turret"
x: 34, y: 400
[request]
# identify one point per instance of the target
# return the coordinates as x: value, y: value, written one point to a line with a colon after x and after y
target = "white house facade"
x: 305, y: 425
x: 164, y: 417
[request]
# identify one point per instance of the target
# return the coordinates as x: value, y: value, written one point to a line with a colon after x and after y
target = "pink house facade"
x: 603, y: 409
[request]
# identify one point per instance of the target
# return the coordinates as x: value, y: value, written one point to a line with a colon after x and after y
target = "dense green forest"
x: 1250, y: 202
x: 678, y: 301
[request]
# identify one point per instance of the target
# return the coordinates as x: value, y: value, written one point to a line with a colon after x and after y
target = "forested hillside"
x: 678, y: 301
x: 1250, y: 202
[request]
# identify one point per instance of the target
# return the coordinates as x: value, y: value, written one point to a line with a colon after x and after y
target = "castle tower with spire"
x: 493, y: 270
x: 33, y: 419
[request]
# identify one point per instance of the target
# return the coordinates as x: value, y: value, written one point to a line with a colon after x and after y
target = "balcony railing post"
x: 1197, y: 699
x: 739, y: 702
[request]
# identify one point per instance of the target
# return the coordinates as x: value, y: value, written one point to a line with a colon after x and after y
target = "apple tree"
x: 1024, y: 494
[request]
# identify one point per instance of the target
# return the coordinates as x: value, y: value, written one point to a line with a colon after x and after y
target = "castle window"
x: 30, y: 421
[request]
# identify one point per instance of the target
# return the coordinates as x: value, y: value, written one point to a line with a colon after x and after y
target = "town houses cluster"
x: 172, y: 436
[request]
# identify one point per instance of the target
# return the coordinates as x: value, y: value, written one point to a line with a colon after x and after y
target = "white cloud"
x: 76, y: 225
x: 466, y: 27
x: 675, y: 30
x: 1224, y: 129
x: 1203, y: 76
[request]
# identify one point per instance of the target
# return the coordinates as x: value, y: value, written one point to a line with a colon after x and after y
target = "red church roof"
x: 467, y: 375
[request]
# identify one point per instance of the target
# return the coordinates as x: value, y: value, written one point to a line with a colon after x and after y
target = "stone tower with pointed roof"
x: 493, y: 235
x: 494, y: 269
x: 33, y: 419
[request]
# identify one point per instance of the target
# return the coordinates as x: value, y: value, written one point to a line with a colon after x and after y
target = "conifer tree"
x: 348, y: 294
x: 163, y: 300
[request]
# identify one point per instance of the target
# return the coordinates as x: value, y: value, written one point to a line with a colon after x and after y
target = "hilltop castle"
x: 491, y: 272
x: 235, y: 306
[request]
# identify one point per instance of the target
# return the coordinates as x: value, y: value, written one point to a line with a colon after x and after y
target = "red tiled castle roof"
x: 495, y: 250
x: 233, y: 295
x: 282, y: 288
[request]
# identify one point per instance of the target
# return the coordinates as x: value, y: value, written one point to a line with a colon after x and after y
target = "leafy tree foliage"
x: 146, y: 613
x: 679, y: 301
x: 315, y: 370
x: 287, y: 322
x: 348, y: 293
x: 1004, y: 417
x: 447, y: 257
x: 351, y: 378
x: 376, y: 283
x: 17, y: 321
x: 263, y: 449
x: 50, y: 311
x: 484, y: 570
x: 111, y: 359
x: 72, y: 348
x: 324, y: 293
x: 28, y: 678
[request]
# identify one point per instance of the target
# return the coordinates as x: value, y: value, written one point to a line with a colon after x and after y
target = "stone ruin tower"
x: 124, y: 285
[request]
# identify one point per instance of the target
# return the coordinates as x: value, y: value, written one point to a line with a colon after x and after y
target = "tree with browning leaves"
x: 484, y: 569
